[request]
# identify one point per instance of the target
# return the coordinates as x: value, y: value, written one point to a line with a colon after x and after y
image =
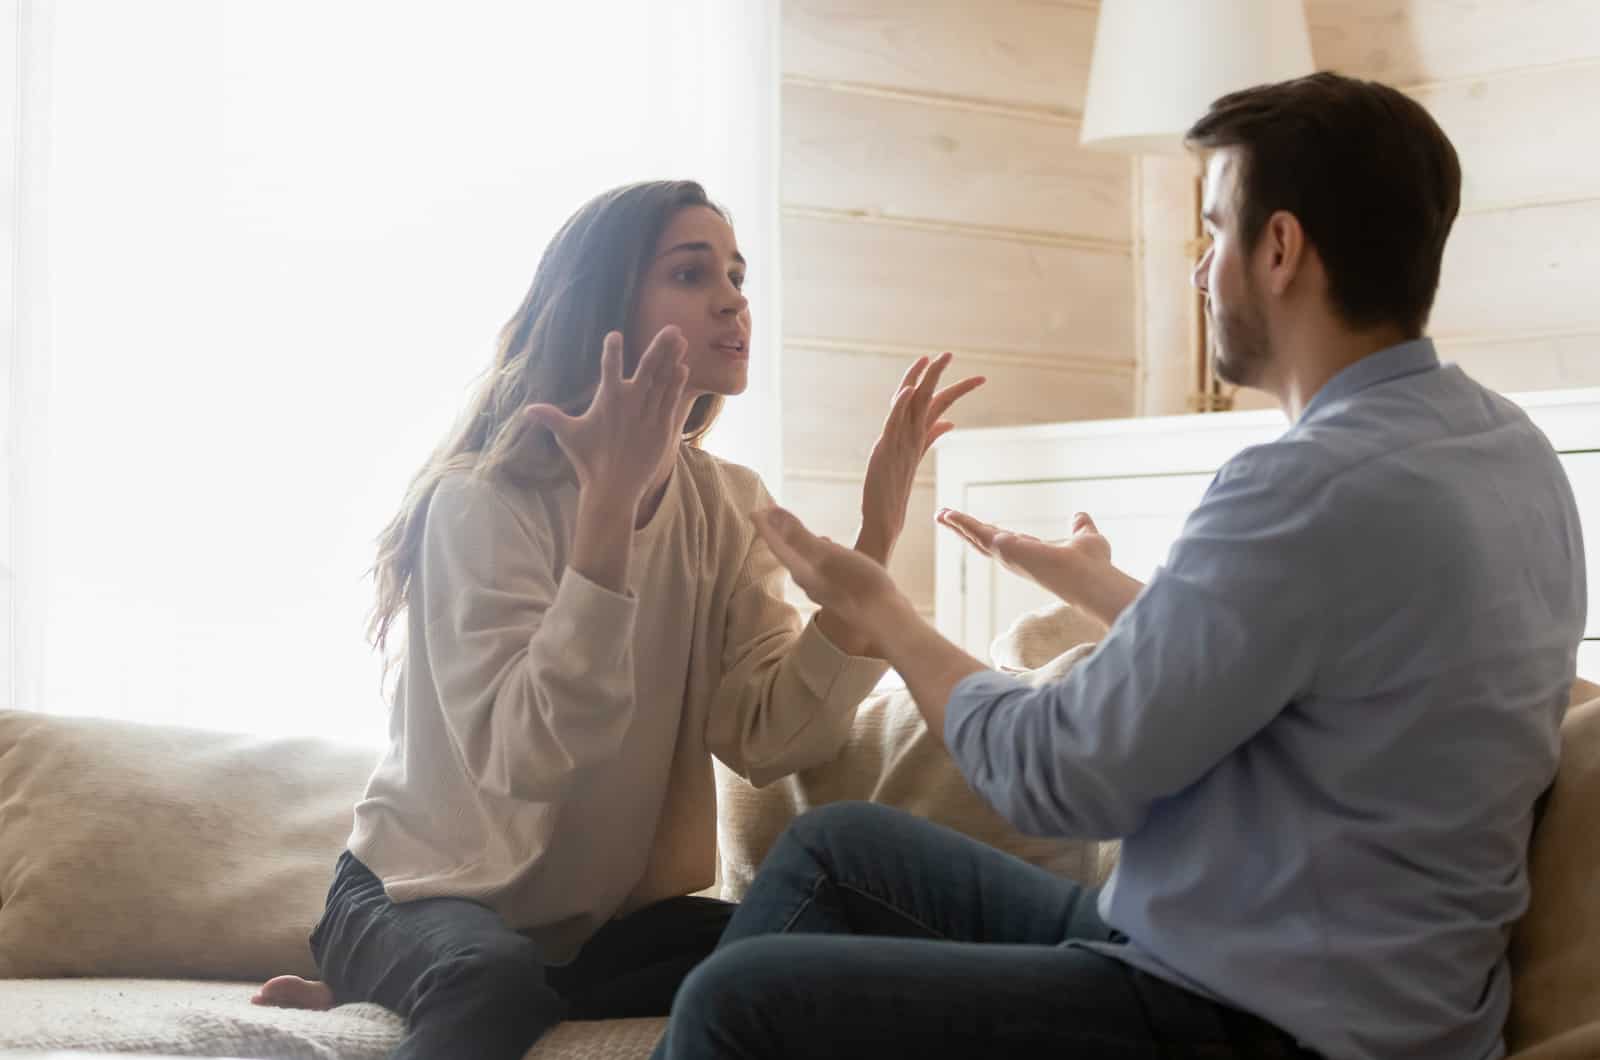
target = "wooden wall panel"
x: 1528, y: 362
x: 1032, y: 52
x: 887, y: 284
x: 1523, y: 136
x: 835, y: 401
x: 1405, y: 42
x: 898, y: 158
x: 1528, y: 270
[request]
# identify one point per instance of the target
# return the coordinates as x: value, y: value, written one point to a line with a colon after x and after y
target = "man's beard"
x: 1239, y: 348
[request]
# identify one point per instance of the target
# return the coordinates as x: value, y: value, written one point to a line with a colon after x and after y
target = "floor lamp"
x: 1157, y: 65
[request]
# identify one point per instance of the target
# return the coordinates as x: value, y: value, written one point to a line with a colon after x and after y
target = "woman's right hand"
x: 618, y: 445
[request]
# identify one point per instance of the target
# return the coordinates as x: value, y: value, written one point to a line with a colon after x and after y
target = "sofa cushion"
x: 891, y: 758
x: 141, y: 850
x: 1555, y: 950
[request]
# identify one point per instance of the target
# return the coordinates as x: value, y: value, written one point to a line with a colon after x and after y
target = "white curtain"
x: 261, y: 250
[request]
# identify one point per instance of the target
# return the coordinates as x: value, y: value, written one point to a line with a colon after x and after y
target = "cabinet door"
x: 1141, y: 516
x: 1583, y: 470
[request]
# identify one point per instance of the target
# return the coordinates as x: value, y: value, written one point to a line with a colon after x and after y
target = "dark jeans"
x: 470, y: 986
x: 872, y: 933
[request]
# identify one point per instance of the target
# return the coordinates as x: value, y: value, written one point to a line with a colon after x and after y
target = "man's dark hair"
x: 1373, y: 180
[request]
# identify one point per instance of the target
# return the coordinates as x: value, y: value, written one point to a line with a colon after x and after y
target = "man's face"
x: 1240, y: 350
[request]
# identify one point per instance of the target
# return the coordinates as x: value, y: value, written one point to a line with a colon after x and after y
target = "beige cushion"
x: 140, y: 850
x: 891, y: 758
x: 1555, y: 950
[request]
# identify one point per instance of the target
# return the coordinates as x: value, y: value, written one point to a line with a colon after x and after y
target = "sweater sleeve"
x: 534, y: 674
x: 787, y: 695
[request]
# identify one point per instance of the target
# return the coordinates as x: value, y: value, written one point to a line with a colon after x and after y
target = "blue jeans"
x: 470, y: 986
x: 872, y: 933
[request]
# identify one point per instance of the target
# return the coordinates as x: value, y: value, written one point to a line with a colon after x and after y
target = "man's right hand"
x: 1077, y: 569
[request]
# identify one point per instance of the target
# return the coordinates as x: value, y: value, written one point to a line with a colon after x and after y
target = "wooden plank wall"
x: 934, y: 198
x: 1516, y: 86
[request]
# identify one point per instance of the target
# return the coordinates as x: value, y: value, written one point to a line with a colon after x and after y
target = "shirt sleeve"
x: 1223, y: 638
x: 534, y: 674
x: 788, y: 695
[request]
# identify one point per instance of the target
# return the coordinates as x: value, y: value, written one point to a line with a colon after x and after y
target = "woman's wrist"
x: 875, y: 541
x: 602, y: 544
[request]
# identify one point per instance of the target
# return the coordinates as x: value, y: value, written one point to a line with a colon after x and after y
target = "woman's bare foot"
x: 291, y: 991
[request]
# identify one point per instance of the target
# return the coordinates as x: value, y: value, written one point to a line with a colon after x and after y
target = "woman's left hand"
x: 915, y: 422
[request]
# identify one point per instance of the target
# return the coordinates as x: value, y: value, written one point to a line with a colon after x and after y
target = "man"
x: 1320, y: 729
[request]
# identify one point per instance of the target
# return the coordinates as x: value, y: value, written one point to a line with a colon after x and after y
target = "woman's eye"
x: 738, y: 280
x: 688, y: 274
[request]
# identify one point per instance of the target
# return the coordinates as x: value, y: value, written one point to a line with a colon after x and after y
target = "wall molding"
x: 1048, y: 362
x: 830, y: 477
x: 1484, y: 338
x: 998, y: 233
x: 1456, y: 80
x: 1532, y: 203
x: 1037, y: 112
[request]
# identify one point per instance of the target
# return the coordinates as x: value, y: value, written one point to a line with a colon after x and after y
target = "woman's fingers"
x: 937, y: 431
x: 611, y: 360
x: 913, y: 373
x: 929, y: 382
x: 953, y: 393
x: 663, y: 347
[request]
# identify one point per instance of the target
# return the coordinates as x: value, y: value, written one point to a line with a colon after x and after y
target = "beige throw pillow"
x: 891, y: 758
x: 1555, y: 950
x: 141, y: 850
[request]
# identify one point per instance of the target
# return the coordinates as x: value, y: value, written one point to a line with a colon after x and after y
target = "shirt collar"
x: 1407, y: 358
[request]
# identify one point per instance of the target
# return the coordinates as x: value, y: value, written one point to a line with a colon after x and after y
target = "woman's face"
x: 694, y: 281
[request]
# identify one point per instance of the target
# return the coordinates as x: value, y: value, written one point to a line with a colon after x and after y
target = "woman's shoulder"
x: 482, y: 503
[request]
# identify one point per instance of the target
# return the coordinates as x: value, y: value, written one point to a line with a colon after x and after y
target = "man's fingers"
x: 785, y: 535
x: 959, y: 523
x: 984, y: 532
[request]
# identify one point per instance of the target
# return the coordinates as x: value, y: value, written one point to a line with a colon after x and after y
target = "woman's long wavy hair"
x: 585, y: 286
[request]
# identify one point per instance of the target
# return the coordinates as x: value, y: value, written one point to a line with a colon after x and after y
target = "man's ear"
x: 1283, y: 242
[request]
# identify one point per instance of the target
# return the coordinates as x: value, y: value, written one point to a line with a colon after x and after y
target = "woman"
x: 589, y: 617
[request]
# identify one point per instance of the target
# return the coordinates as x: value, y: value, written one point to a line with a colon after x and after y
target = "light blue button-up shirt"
x: 1322, y: 726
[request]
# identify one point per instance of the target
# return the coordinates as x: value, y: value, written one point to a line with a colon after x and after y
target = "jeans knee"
x: 728, y: 982
x: 837, y: 822
x: 507, y: 969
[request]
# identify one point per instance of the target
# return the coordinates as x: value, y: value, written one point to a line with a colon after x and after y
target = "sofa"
x: 151, y: 877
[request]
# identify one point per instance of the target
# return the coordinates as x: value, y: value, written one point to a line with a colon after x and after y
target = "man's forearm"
x: 930, y: 665
x: 1106, y: 593
x: 1096, y: 588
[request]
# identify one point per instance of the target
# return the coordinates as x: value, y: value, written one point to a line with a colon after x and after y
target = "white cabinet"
x: 1140, y: 479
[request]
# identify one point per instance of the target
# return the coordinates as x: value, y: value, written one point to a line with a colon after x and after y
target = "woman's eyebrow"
x: 707, y: 247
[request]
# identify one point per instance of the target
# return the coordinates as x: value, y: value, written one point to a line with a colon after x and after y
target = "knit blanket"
x: 199, y: 1018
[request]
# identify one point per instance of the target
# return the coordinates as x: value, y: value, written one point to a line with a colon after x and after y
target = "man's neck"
x: 1315, y: 359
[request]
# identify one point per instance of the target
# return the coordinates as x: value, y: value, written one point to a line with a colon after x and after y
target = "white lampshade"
x: 1158, y: 64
